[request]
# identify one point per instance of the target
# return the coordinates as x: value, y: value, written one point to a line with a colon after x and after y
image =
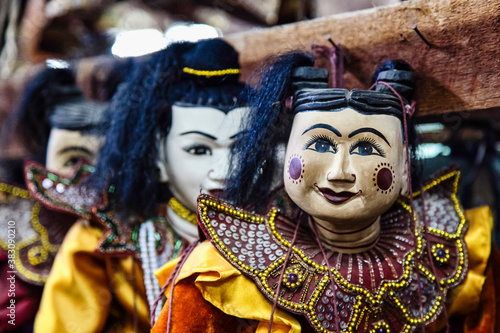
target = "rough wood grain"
x: 461, y: 71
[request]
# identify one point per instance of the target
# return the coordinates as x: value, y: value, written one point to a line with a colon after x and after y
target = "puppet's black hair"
x: 141, y: 116
x: 53, y: 100
x: 31, y: 121
x: 254, y: 164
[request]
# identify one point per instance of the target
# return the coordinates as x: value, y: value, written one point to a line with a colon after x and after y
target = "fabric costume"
x: 97, y: 283
x: 29, y: 242
x: 234, y: 275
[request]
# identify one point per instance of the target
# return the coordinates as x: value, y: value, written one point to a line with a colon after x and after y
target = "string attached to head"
x: 409, y: 110
x: 332, y: 59
x: 330, y: 275
x: 275, y: 303
x: 406, y: 112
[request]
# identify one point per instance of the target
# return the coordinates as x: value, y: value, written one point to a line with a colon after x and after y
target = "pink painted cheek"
x: 383, y: 178
x: 296, y: 167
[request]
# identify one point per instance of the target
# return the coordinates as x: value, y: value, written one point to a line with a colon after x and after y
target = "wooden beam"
x: 460, y: 71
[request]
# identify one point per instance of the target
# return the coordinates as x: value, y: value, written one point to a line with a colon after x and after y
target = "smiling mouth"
x: 336, y: 197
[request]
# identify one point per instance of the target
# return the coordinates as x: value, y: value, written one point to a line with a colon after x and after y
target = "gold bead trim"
x: 456, y: 237
x: 209, y: 74
x: 435, y: 248
x: 38, y: 278
x: 182, y: 211
x: 18, y: 192
x: 37, y: 255
x: 379, y: 325
x: 300, y: 277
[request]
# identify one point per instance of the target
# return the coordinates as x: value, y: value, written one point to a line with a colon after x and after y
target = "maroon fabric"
x: 26, y: 300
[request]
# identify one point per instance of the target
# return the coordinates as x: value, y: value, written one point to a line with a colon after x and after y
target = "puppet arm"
x: 76, y: 296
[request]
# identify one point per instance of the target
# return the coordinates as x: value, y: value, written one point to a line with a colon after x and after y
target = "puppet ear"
x: 161, y: 162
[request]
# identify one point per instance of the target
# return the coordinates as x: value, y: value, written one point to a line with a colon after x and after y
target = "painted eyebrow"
x: 369, y: 130
x: 75, y: 148
x: 200, y: 133
x: 325, y: 126
x: 236, y: 135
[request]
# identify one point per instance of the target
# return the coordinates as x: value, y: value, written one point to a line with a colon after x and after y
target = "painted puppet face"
x: 197, y: 149
x: 345, y: 167
x: 66, y: 148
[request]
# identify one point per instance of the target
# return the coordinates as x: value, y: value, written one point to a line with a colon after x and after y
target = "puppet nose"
x: 220, y: 168
x: 340, y: 170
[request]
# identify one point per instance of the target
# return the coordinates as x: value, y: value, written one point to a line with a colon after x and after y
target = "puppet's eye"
x: 366, y: 147
x: 72, y: 161
x: 321, y: 144
x: 199, y: 150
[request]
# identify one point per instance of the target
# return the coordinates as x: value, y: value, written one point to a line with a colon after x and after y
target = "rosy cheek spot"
x: 296, y: 168
x: 383, y: 178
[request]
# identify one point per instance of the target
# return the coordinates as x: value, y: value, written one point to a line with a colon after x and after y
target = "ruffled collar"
x: 377, y: 289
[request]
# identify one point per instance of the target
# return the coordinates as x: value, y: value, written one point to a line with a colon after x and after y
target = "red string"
x: 282, y: 273
x: 318, y: 240
x: 171, y: 280
x: 410, y: 111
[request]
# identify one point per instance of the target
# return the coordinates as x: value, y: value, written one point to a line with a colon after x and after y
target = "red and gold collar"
x: 376, y: 289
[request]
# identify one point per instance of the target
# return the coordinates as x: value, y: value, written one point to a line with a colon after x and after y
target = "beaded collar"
x: 70, y: 195
x: 182, y: 211
x: 374, y: 291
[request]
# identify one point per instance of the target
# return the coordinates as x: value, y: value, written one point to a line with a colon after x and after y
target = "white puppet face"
x: 66, y: 148
x: 345, y: 167
x: 195, y: 155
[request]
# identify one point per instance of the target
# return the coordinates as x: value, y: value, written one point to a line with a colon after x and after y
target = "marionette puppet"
x: 58, y: 127
x: 169, y: 139
x: 363, y: 252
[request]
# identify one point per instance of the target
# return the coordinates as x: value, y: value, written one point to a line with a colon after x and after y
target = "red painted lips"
x: 334, y: 197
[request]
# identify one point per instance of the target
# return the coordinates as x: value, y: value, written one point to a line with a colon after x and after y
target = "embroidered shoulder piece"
x: 374, y: 291
x: 72, y: 196
x: 67, y: 195
x: 122, y: 237
x: 31, y: 235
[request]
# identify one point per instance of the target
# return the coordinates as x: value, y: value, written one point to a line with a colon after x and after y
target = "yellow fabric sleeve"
x: 227, y: 289
x: 465, y: 298
x: 77, y: 297
x: 70, y: 301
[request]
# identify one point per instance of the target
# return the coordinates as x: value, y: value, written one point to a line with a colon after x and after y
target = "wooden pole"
x: 460, y: 70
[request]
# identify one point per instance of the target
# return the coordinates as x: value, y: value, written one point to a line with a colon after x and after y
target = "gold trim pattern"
x: 209, y: 74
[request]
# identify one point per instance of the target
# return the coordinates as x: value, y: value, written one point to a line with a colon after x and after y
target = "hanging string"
x: 409, y: 110
x: 171, y: 280
x: 433, y: 267
x: 283, y: 272
x: 318, y: 240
